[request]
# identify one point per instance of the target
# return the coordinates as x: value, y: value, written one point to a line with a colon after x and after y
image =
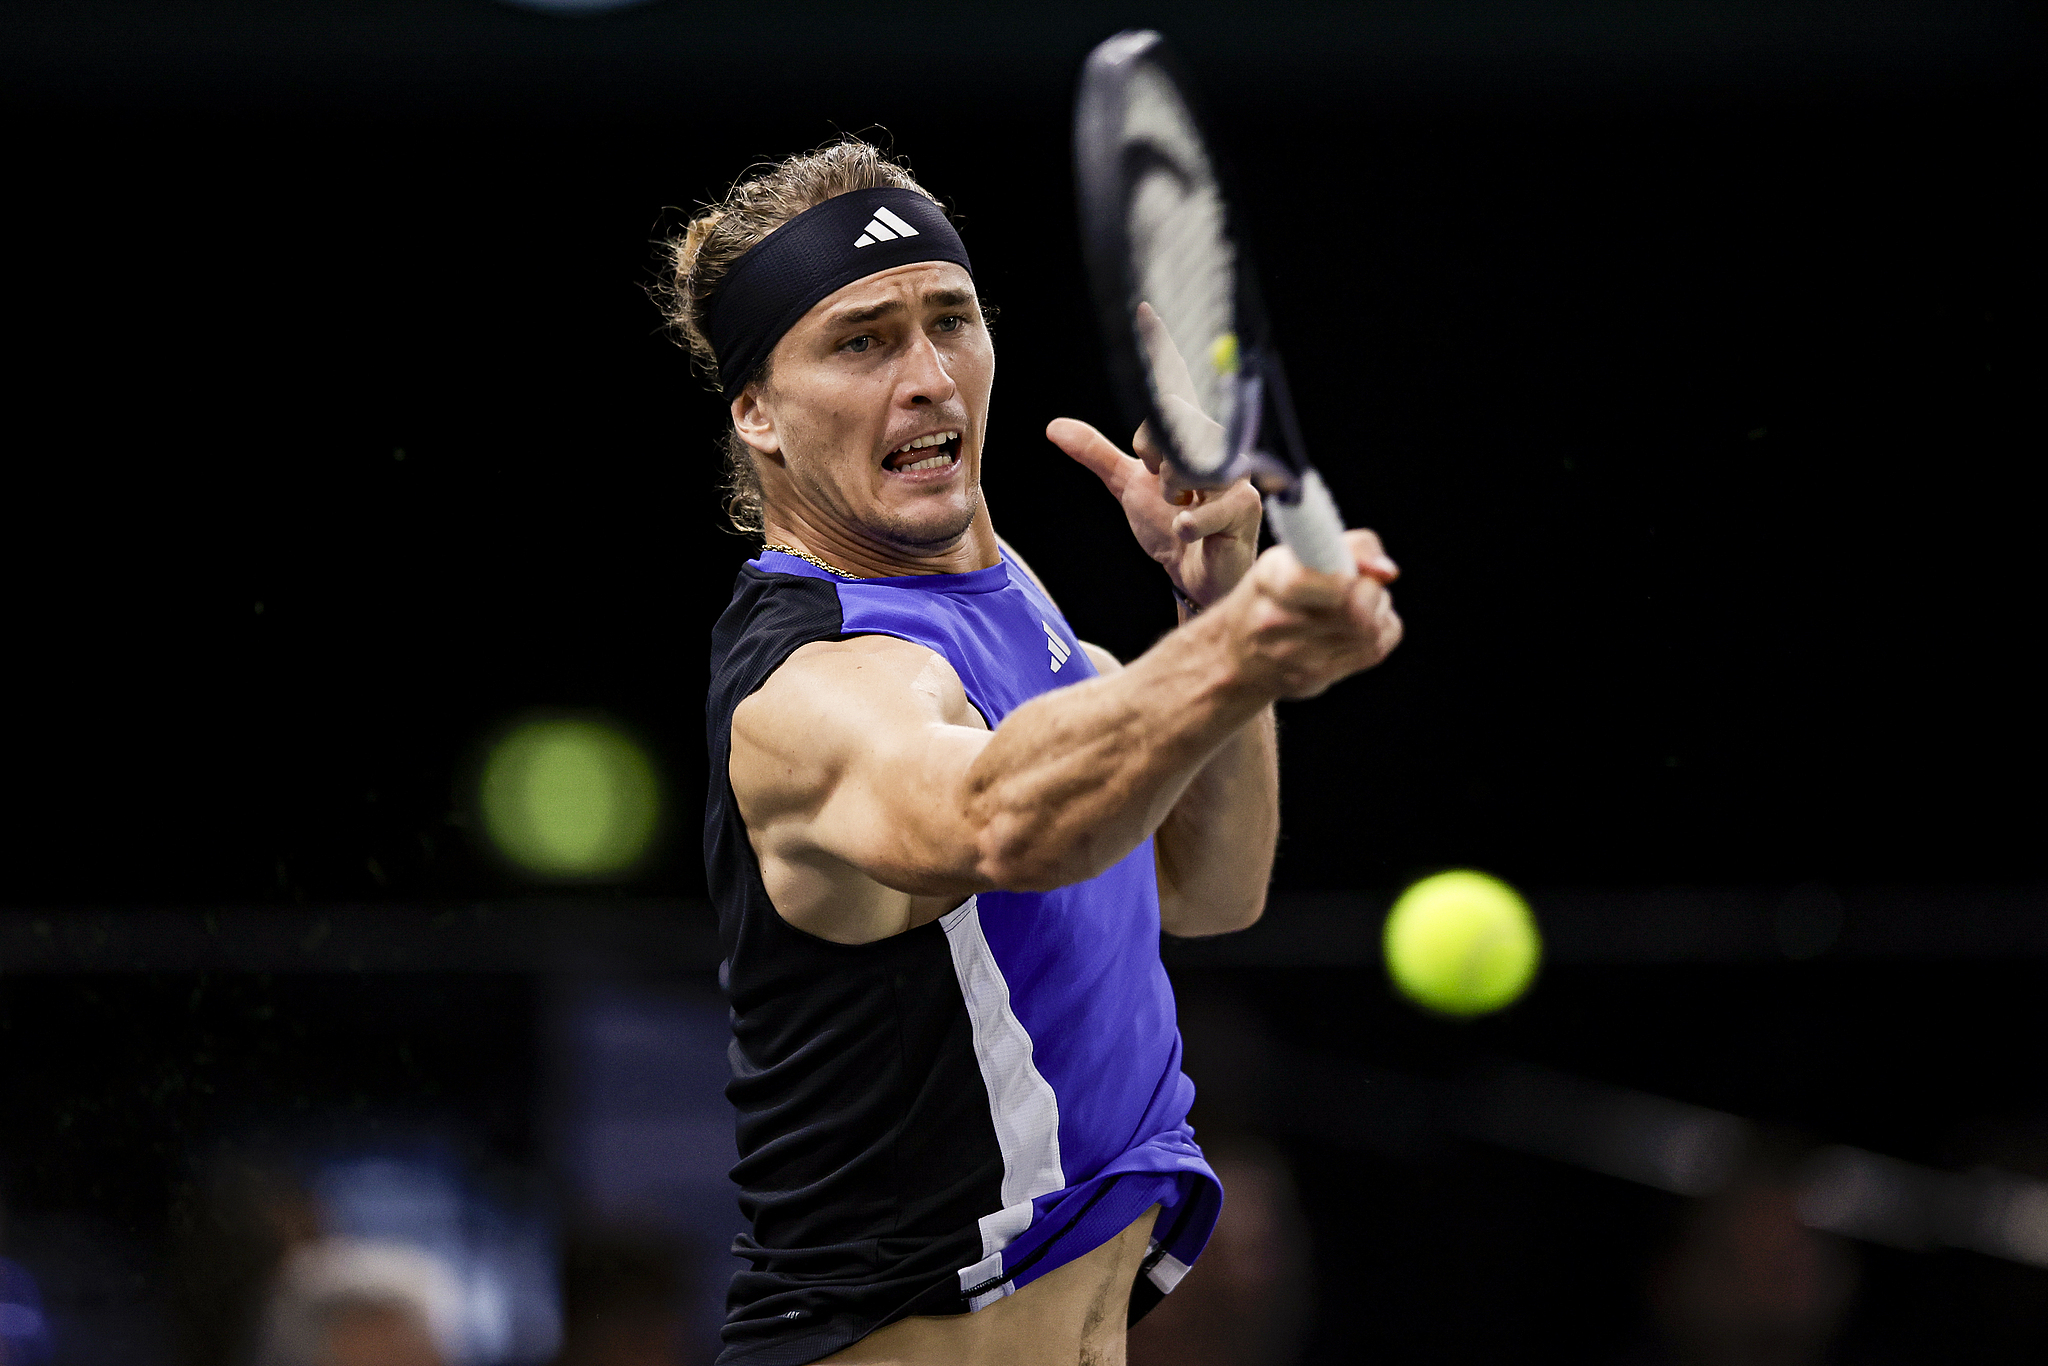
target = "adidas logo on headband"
x: 805, y: 259
x: 884, y: 227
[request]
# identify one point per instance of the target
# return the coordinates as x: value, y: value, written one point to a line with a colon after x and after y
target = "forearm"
x: 867, y: 754
x: 1215, y: 849
x: 1074, y: 780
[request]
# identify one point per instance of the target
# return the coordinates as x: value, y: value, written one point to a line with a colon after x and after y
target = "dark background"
x: 1680, y: 354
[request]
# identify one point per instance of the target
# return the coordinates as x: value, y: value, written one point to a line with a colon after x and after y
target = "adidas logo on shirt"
x: 1059, y: 651
x: 884, y: 227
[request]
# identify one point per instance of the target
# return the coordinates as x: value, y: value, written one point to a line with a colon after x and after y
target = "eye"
x: 857, y: 344
x: 952, y: 322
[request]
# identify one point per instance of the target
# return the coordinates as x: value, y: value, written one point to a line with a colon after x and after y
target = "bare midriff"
x: 1071, y: 1316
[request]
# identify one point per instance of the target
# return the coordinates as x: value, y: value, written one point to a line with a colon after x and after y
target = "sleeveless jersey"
x: 931, y: 1121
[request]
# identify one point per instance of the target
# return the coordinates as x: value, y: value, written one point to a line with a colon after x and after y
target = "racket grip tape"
x: 1311, y: 526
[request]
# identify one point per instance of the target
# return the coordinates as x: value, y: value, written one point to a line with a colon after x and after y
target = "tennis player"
x: 943, y: 835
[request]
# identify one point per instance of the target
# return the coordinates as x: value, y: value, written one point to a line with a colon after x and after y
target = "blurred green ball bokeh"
x: 570, y: 799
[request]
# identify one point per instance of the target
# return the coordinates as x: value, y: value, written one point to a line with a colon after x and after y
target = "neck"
x: 868, y: 557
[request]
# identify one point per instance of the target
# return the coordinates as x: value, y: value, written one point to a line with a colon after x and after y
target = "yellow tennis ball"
x: 1223, y: 354
x: 1462, y: 943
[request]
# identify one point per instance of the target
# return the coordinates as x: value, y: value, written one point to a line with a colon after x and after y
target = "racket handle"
x: 1312, y: 527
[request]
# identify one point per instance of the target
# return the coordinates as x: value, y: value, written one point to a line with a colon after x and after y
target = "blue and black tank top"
x: 931, y: 1121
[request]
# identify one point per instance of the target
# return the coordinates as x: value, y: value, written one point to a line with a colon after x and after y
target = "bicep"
x: 858, y: 751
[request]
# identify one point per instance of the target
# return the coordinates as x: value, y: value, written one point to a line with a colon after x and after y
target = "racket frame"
x: 1262, y: 405
x: 1299, y: 507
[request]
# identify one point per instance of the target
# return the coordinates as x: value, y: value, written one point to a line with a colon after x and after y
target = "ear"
x: 753, y: 420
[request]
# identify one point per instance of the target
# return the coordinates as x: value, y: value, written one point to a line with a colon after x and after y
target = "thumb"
x: 1091, y: 448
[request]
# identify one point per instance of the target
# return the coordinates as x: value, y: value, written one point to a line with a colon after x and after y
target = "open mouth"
x: 936, y: 451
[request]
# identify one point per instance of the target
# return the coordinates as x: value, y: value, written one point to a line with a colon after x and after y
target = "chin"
x: 930, y: 529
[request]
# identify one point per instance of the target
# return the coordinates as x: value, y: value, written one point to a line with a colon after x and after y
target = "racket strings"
x: 1186, y: 272
x: 1186, y: 269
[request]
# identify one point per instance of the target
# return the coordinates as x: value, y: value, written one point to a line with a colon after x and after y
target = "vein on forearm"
x: 1074, y: 780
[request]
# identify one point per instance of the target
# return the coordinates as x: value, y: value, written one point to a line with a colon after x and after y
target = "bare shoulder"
x: 828, y: 677
x: 832, y: 699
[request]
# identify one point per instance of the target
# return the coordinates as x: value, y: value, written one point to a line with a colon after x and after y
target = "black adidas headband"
x: 824, y: 248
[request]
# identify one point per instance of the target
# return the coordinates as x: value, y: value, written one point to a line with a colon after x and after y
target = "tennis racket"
x: 1189, y: 352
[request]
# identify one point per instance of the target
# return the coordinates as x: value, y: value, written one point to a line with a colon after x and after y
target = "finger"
x: 1372, y: 612
x: 1146, y: 447
x: 1371, y: 557
x: 1169, y: 369
x: 1188, y: 423
x: 1367, y: 596
x: 1289, y: 583
x: 1211, y: 517
x: 1388, y: 626
x: 1090, y: 448
x: 1173, y: 488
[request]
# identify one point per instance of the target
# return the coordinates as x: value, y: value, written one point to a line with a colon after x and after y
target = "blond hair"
x: 696, y: 261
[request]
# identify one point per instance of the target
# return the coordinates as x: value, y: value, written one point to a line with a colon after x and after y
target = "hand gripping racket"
x: 1189, y: 353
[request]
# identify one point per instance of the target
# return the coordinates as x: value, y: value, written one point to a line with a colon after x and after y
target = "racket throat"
x: 1304, y: 516
x: 1272, y: 475
x: 1247, y: 420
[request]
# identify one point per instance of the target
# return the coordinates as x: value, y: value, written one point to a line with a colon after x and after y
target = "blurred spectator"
x: 362, y: 1257
x: 349, y: 1302
x: 236, y: 1224
x: 1747, y: 1284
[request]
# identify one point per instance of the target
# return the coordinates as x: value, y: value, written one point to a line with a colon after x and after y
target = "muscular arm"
x: 1214, y: 850
x: 877, y: 800
x: 863, y: 757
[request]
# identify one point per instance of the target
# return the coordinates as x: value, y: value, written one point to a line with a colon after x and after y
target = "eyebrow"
x: 932, y: 298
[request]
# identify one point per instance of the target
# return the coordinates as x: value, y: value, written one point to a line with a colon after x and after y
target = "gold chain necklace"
x: 807, y: 558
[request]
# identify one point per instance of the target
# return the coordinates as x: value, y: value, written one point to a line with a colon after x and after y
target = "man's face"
x: 875, y: 408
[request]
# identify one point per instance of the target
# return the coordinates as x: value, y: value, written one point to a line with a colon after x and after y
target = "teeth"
x: 935, y: 439
x: 931, y: 463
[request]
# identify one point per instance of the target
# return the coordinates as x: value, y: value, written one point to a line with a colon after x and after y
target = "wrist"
x: 1219, y: 576
x: 1238, y: 676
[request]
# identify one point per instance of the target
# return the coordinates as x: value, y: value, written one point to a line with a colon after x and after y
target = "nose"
x: 925, y: 379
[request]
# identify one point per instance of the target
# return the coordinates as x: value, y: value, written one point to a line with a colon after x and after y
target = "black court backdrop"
x: 1693, y: 419
x: 1682, y: 364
